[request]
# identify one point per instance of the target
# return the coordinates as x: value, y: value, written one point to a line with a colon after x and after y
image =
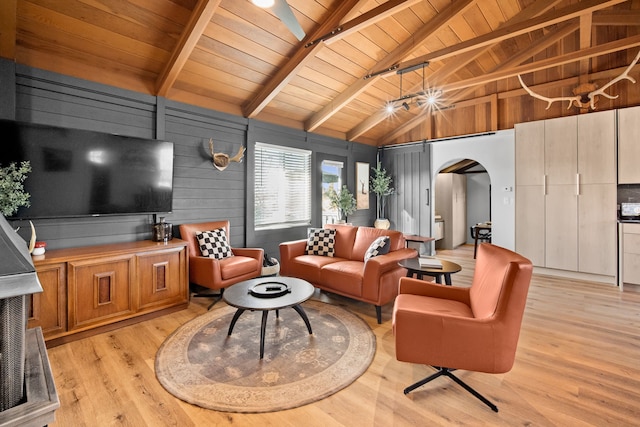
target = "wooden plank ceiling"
x: 231, y: 56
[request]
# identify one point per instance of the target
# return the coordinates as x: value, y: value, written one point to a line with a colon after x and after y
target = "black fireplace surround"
x: 28, y: 395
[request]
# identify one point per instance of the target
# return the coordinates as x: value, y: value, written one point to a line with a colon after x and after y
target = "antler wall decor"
x: 585, y: 94
x: 222, y: 160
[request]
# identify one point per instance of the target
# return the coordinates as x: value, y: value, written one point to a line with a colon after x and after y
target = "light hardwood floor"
x: 578, y: 364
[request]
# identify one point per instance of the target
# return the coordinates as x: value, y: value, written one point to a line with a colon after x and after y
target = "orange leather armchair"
x: 474, y: 329
x: 219, y: 273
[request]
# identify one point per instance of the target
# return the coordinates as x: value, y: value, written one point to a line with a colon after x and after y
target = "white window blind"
x: 282, y: 186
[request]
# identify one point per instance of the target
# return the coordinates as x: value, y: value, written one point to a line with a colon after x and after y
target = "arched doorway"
x: 462, y: 199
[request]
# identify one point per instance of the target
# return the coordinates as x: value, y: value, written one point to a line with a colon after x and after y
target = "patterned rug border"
x: 231, y: 398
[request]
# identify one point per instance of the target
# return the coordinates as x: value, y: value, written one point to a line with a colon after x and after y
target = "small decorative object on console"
x: 39, y: 248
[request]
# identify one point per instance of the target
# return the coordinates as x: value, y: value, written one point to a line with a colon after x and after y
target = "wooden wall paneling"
x: 7, y: 88
x: 199, y: 187
x: 407, y: 208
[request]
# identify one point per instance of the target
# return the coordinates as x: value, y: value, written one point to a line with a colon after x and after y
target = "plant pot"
x: 382, y: 223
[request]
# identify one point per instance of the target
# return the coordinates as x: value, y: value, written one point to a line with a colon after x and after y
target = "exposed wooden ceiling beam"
x: 536, y: 47
x: 376, y: 14
x: 289, y: 70
x: 451, y: 67
x: 617, y: 17
x: 504, y: 71
x: 567, y: 58
x: 198, y: 21
x: 399, y: 53
x: 513, y: 30
x: 8, y: 19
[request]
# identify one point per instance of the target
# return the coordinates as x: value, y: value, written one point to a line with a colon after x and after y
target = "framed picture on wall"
x: 362, y: 185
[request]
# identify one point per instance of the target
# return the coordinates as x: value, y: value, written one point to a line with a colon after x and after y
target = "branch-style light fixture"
x: 424, y: 98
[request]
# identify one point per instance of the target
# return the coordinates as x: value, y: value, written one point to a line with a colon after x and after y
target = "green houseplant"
x: 343, y: 201
x: 381, y: 186
x: 12, y: 194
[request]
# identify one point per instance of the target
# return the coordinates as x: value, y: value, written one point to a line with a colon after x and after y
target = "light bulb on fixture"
x: 263, y: 3
x: 389, y: 108
x: 405, y: 106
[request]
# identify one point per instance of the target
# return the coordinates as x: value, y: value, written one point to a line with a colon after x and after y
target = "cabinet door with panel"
x: 161, y: 278
x: 561, y: 150
x: 561, y: 227
x: 530, y: 223
x: 597, y: 229
x: 529, y: 153
x: 530, y: 191
x: 597, y: 148
x: 631, y: 253
x: 628, y: 146
x: 100, y: 291
x: 48, y: 309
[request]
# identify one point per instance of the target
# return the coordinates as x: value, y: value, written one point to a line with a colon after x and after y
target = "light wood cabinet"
x: 575, y: 195
x: 530, y: 191
x: 628, y: 146
x: 631, y: 253
x: 89, y: 288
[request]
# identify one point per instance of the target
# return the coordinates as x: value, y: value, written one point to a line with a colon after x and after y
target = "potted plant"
x: 12, y: 194
x: 381, y: 186
x: 344, y: 202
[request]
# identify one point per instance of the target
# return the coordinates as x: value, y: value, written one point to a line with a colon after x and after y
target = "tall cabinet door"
x: 530, y: 223
x: 530, y: 191
x: 561, y: 227
x: 628, y: 147
x: 597, y: 218
x: 561, y: 203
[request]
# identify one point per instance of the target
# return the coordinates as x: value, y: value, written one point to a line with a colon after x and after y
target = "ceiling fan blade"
x: 282, y: 10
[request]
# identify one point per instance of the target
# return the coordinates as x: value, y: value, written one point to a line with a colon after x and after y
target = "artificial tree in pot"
x: 344, y: 202
x: 381, y: 186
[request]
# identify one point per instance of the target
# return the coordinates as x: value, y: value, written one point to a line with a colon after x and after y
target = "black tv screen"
x: 84, y: 173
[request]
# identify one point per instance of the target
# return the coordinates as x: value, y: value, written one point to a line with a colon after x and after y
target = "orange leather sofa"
x: 346, y: 273
x: 474, y: 328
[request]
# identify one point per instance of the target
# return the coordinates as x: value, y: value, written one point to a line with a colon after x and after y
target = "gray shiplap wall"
x: 201, y: 192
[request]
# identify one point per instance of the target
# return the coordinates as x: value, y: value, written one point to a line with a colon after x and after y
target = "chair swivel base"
x: 200, y: 293
x: 449, y: 373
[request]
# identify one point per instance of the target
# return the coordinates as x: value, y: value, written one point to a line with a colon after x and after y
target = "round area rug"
x: 203, y: 366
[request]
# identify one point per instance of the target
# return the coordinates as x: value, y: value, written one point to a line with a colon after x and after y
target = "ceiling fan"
x: 283, y: 11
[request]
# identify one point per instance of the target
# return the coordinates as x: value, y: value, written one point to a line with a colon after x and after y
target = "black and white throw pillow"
x: 214, y: 244
x: 380, y: 246
x: 321, y: 241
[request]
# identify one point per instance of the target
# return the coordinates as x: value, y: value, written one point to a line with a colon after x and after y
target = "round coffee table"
x: 241, y: 297
x: 413, y: 267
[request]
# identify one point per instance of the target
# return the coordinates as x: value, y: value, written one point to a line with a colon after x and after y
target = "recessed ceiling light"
x: 263, y: 3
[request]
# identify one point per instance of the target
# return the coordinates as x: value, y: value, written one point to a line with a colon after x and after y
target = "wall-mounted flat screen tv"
x: 84, y: 173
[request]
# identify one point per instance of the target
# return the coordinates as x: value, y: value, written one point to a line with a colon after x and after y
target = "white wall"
x: 496, y: 152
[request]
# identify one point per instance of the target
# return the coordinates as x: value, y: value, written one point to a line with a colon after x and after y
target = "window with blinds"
x: 282, y: 186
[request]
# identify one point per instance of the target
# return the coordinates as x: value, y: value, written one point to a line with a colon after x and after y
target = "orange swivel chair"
x: 474, y: 329
x: 217, y: 274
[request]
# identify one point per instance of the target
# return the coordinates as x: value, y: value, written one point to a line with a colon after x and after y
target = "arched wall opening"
x: 496, y: 152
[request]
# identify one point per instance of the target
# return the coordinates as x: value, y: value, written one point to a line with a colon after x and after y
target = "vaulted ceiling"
x: 232, y: 56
